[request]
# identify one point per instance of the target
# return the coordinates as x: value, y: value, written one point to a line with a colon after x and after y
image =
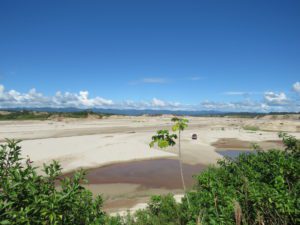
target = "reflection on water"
x: 233, y: 153
x: 157, y: 173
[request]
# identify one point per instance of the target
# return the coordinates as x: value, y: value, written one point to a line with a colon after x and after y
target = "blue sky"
x: 223, y: 55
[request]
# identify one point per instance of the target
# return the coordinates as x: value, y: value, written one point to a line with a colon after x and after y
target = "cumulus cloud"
x: 242, y: 106
x: 80, y: 100
x: 34, y: 99
x: 296, y: 87
x: 272, y: 98
x: 129, y: 104
x: 271, y: 101
x: 275, y: 102
x: 13, y: 98
x: 250, y: 106
x: 158, y: 103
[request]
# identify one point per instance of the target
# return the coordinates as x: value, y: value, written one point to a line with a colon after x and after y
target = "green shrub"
x: 251, y: 128
x: 29, y: 198
x: 31, y: 115
x: 161, y: 210
x: 24, y: 115
x: 265, y: 185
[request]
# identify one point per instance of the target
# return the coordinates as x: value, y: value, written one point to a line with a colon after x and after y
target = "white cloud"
x: 1, y: 89
x: 272, y: 98
x: 158, y: 103
x: 249, y: 106
x: 195, y: 78
x: 242, y: 93
x: 276, y: 102
x: 129, y: 104
x: 98, y: 101
x: 13, y: 98
x: 243, y: 106
x: 160, y: 80
x: 80, y: 100
x: 296, y: 87
x: 32, y: 98
x: 154, y: 80
x: 235, y: 93
x: 271, y: 101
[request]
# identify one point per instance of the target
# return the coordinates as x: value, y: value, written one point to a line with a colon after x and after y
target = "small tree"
x: 164, y: 139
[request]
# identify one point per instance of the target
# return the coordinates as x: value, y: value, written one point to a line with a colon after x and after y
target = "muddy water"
x: 157, y: 173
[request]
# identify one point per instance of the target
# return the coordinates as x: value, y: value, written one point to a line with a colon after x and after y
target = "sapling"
x: 164, y: 139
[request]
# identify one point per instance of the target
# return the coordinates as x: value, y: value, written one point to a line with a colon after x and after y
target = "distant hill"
x: 151, y: 112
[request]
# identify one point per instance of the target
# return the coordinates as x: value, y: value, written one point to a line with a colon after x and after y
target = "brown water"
x: 156, y: 173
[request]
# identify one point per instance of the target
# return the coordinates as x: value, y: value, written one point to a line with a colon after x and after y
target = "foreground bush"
x: 260, y: 188
x: 29, y: 198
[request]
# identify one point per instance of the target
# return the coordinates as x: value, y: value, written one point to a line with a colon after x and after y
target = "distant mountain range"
x: 138, y: 112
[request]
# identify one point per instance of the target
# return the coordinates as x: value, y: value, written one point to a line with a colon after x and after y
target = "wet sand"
x: 127, y: 184
x: 158, y: 173
x: 234, y: 143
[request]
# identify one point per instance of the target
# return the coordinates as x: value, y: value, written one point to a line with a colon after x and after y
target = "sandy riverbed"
x: 93, y: 143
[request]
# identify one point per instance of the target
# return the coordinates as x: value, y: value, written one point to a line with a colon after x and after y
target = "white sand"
x: 92, y: 143
x: 90, y: 151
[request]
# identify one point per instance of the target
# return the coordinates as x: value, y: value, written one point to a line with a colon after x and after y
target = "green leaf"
x: 163, y: 139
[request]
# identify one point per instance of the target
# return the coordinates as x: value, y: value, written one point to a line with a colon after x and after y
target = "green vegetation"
x: 29, y: 198
x: 30, y: 115
x: 251, y: 128
x: 261, y: 188
x: 24, y: 115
